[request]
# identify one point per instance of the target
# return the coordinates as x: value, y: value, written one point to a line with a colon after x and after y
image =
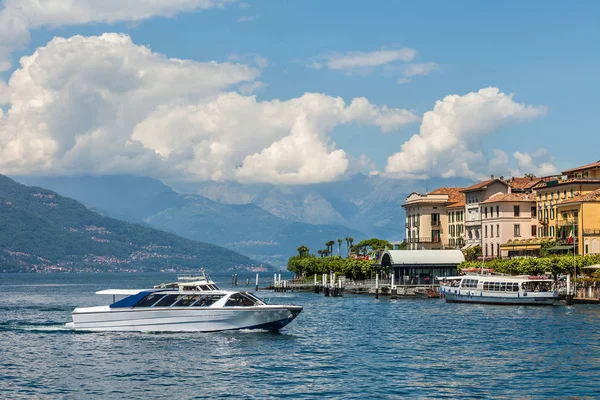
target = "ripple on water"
x: 352, y: 347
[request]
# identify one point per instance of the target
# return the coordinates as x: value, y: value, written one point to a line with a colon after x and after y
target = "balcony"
x: 435, y: 223
x: 473, y: 222
x: 567, y: 222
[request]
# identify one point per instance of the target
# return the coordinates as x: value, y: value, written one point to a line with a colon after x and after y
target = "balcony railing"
x: 567, y: 222
x: 435, y: 224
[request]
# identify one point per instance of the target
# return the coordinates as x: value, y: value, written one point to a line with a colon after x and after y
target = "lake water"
x: 352, y: 347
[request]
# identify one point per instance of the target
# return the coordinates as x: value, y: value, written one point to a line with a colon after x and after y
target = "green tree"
x: 302, y: 251
x: 329, y: 245
x: 339, y: 247
x: 349, y: 241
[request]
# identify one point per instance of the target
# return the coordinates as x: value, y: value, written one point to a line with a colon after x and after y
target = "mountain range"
x: 263, y: 221
x: 41, y: 230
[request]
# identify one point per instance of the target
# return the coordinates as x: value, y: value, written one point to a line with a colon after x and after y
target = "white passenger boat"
x: 182, y: 306
x: 497, y: 289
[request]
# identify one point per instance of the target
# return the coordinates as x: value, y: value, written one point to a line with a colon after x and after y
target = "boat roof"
x: 500, y: 278
x: 122, y: 292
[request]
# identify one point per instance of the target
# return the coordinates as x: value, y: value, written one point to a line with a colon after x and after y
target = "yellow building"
x: 552, y: 191
x: 581, y: 214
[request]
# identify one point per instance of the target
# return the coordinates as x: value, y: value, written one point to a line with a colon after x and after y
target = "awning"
x: 595, y: 266
x: 521, y: 246
x: 561, y: 248
x: 468, y: 246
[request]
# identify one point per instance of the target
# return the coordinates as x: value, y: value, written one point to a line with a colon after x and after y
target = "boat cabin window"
x: 240, y: 300
x: 537, y: 286
x: 148, y: 300
x: 469, y: 283
x: 167, y: 300
x: 186, y: 300
x: 207, y: 300
x: 501, y: 286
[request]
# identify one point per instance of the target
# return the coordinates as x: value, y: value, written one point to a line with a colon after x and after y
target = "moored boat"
x: 497, y: 289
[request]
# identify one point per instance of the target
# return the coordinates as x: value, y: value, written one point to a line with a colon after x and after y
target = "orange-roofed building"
x: 507, y: 217
x: 573, y: 183
x: 427, y: 218
x: 579, y: 215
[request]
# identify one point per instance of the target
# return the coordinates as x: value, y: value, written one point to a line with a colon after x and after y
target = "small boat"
x: 498, y: 289
x: 426, y: 293
x: 188, y: 305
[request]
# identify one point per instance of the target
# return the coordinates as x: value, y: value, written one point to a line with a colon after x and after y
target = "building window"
x: 545, y: 196
x: 533, y: 230
x: 486, y: 250
x: 485, y: 212
x: 540, y: 232
x: 485, y: 234
x: 533, y: 212
x: 575, y: 214
x: 545, y: 213
x: 552, y: 213
x: 497, y: 211
x: 565, y: 194
x: 491, y: 230
x: 517, y: 210
x: 564, y: 215
x: 498, y: 249
x: 470, y: 234
x: 572, y: 192
x: 517, y: 230
x: 552, y: 231
x: 477, y: 234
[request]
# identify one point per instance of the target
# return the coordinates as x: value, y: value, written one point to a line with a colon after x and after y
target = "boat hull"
x: 168, y: 319
x: 518, y: 300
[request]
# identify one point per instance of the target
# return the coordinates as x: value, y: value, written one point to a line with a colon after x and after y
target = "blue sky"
x: 543, y: 52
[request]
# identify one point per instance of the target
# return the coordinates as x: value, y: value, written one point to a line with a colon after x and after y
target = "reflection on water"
x: 351, y: 347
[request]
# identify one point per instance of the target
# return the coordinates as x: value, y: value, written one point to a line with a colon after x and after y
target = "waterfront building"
x: 581, y: 216
x: 478, y: 193
x: 553, y: 191
x: 508, y: 217
x: 421, y: 267
x: 474, y: 195
x: 456, y: 223
x: 427, y: 218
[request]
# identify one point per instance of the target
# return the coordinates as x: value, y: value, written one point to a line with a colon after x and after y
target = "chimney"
x: 492, y: 176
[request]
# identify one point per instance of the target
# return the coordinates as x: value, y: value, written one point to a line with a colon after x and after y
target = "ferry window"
x: 503, y: 286
x: 186, y: 301
x: 496, y: 286
x: 207, y: 300
x: 486, y: 286
x: 515, y: 287
x: 167, y: 300
x: 148, y: 300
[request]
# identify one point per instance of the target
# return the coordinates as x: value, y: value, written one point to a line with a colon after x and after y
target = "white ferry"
x: 194, y: 304
x: 497, y: 289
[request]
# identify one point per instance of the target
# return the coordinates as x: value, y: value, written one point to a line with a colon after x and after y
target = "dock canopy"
x: 421, y: 267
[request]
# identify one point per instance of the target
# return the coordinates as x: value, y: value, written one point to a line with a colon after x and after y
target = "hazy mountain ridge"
x: 42, y: 230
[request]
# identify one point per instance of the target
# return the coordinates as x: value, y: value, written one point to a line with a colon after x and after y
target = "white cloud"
x: 539, y: 163
x: 422, y: 69
x: 105, y: 105
x: 357, y: 60
x: 18, y: 17
x: 402, y: 81
x: 252, y: 87
x: 250, y: 58
x: 448, y: 143
x: 248, y: 18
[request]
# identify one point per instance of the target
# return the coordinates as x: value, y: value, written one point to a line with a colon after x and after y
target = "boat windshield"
x: 241, y: 300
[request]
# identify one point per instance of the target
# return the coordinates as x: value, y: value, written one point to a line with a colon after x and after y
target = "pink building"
x: 504, y: 217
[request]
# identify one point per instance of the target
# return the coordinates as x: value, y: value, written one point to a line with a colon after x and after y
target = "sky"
x: 297, y: 92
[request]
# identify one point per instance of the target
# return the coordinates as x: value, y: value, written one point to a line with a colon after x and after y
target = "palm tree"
x: 320, y: 252
x: 302, y: 251
x: 339, y: 247
x: 330, y: 246
x: 349, y: 241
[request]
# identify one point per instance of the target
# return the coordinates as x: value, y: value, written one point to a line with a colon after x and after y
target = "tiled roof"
x: 523, y: 183
x: 588, y: 197
x: 454, y: 194
x: 509, y: 197
x: 566, y: 181
x: 588, y: 166
x: 479, y: 185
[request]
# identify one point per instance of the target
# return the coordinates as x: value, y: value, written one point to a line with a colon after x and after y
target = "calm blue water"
x: 351, y: 347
